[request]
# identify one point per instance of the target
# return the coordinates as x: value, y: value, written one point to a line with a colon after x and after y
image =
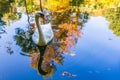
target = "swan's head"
x: 40, y: 17
x: 39, y: 14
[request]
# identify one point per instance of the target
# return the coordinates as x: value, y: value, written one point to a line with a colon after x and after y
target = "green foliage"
x: 76, y: 2
x: 4, y: 6
x: 113, y: 16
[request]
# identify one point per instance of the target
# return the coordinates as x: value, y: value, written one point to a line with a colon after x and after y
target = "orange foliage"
x: 56, y: 5
x: 34, y: 60
x: 67, y: 35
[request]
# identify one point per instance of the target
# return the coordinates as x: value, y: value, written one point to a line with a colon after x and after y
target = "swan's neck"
x: 41, y: 40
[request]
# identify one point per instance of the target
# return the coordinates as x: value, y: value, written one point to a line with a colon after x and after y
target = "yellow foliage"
x: 57, y: 5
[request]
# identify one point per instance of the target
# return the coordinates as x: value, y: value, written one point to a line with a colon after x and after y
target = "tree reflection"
x: 113, y: 15
x: 8, y: 11
x: 66, y: 26
x: 109, y: 9
x: 67, y: 32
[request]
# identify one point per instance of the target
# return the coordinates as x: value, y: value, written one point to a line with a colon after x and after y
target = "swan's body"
x: 43, y: 33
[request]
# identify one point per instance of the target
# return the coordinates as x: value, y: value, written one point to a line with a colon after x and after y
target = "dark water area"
x: 97, y: 55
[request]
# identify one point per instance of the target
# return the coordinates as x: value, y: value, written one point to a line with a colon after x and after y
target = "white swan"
x: 43, y: 33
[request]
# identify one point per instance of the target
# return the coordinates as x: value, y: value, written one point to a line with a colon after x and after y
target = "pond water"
x: 97, y: 55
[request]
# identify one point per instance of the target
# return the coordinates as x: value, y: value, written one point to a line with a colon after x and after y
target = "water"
x: 97, y: 55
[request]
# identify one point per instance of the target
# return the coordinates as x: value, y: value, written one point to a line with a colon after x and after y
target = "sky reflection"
x: 97, y: 56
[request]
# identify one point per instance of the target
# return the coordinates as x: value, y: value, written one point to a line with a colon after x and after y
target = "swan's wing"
x: 35, y: 36
x: 47, y: 32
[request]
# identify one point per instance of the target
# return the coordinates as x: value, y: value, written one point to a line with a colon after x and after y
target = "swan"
x: 43, y: 33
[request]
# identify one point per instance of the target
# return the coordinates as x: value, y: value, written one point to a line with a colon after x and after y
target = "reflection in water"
x: 68, y: 74
x: 4, y: 7
x: 113, y: 16
x: 109, y: 9
x: 24, y: 39
x: 2, y: 27
x: 66, y: 28
x: 8, y: 11
x: 9, y: 49
x: 66, y: 36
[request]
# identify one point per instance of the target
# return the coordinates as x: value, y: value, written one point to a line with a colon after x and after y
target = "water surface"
x: 97, y: 55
